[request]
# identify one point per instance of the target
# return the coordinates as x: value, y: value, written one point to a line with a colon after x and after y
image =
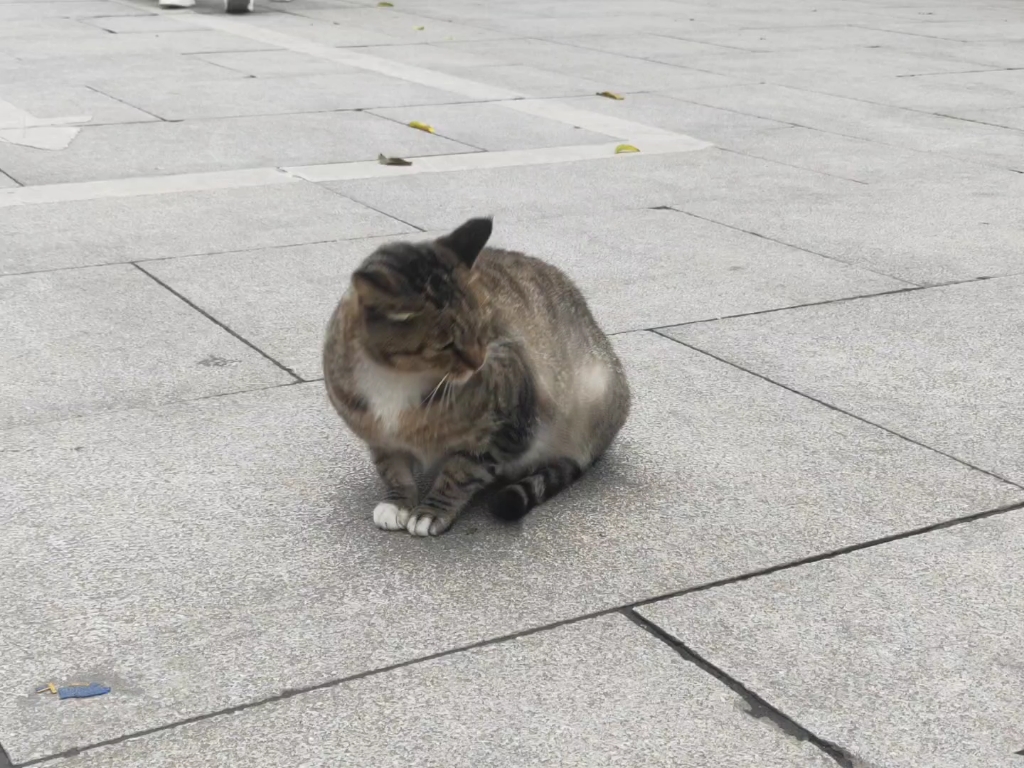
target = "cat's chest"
x: 390, y: 394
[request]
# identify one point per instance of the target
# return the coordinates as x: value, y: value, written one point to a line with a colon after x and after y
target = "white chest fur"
x: 389, y: 393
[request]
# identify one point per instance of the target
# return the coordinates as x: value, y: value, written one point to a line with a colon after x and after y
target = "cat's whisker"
x: 430, y: 398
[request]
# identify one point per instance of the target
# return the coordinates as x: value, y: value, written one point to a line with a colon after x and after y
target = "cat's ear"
x: 375, y: 283
x: 468, y: 240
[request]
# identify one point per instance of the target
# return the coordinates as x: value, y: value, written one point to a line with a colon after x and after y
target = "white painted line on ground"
x: 650, y: 140
x: 144, y: 185
x: 472, y: 161
x: 618, y: 128
x: 20, y: 127
x: 362, y: 169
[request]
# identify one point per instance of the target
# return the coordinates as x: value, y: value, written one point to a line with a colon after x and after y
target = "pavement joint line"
x: 218, y: 323
x: 757, y: 707
x: 683, y: 211
x: 290, y: 693
x: 837, y: 409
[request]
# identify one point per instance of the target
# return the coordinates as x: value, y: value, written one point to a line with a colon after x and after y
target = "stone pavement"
x: 804, y: 549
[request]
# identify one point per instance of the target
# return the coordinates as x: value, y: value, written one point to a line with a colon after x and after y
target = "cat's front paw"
x: 428, y: 522
x: 390, y: 517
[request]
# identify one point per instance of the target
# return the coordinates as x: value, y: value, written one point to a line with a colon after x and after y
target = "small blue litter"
x: 82, y: 691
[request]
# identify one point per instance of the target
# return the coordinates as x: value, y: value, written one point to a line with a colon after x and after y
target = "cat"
x: 481, y: 365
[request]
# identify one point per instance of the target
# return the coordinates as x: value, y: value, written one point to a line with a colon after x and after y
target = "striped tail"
x: 516, y: 499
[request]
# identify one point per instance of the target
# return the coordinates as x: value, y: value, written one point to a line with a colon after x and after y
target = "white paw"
x: 426, y: 525
x: 389, y: 517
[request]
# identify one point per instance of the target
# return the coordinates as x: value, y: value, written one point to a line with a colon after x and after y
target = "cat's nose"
x: 475, y: 357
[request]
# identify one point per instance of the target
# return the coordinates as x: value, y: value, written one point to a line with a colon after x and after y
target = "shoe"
x: 177, y: 3
x: 238, y: 6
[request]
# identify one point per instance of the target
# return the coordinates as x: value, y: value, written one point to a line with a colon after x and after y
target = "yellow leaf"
x: 385, y: 160
x: 385, y: 5
x: 610, y: 95
x: 419, y: 29
x: 625, y: 148
x: 421, y: 126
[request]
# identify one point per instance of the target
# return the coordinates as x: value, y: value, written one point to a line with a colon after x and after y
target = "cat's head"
x: 418, y: 312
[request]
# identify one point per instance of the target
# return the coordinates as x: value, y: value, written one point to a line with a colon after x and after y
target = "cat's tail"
x: 517, y: 498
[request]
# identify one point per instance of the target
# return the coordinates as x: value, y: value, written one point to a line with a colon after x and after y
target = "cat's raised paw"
x: 390, y: 517
x: 426, y: 524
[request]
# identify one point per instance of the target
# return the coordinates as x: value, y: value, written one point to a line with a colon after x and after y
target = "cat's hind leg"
x: 517, y: 498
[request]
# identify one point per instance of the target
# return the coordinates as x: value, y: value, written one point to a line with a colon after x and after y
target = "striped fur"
x: 479, y: 366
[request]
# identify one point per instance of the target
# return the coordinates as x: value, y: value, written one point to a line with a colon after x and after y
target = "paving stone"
x: 809, y: 68
x: 430, y: 56
x: 88, y: 232
x: 493, y: 127
x: 318, y: 31
x: 109, y: 337
x: 663, y: 111
x: 154, y: 69
x: 916, y: 230
x: 905, y: 655
x: 1010, y: 118
x: 444, y: 200
x: 537, y: 83
x: 280, y: 63
x: 617, y: 72
x: 645, y: 45
x: 804, y: 38
x: 599, y: 693
x: 71, y: 101
x: 886, y: 124
x: 142, y: 23
x: 639, y: 268
x: 401, y: 26
x: 920, y: 363
x: 680, y: 269
x: 103, y: 44
x: 1007, y: 26
x: 182, y: 100
x: 44, y: 27
x: 950, y: 94
x: 260, y: 550
x: 121, y: 151
x: 64, y: 10
x: 866, y: 161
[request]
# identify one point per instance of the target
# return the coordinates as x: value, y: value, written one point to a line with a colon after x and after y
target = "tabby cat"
x: 481, y: 366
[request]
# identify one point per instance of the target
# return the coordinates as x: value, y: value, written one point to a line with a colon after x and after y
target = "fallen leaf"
x: 419, y: 29
x: 384, y: 160
x: 385, y: 5
x: 421, y: 126
x: 625, y: 149
x: 610, y: 95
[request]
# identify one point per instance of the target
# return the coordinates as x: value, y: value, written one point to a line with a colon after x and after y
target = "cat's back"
x: 533, y: 296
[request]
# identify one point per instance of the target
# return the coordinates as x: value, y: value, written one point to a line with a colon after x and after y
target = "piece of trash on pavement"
x: 610, y: 95
x: 419, y: 29
x: 421, y: 126
x: 82, y: 691
x: 625, y: 149
x: 385, y: 5
x: 385, y: 160
x: 49, y: 688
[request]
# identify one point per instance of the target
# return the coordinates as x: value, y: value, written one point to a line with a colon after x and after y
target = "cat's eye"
x: 446, y: 347
x: 401, y: 317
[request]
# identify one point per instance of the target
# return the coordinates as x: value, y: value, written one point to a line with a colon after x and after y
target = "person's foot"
x: 177, y: 3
